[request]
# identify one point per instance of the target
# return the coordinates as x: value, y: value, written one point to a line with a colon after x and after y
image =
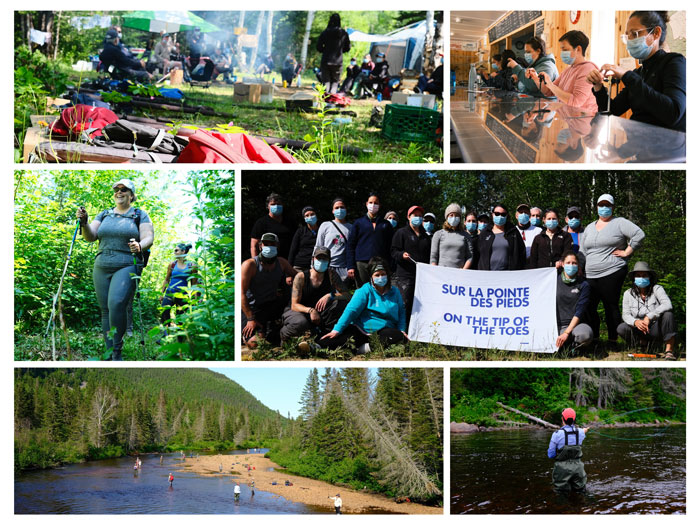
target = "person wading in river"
x: 565, y: 450
x: 171, y: 478
x: 337, y: 503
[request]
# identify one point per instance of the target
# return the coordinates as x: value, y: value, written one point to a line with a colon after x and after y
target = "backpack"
x: 222, y: 148
x: 141, y: 136
x: 86, y: 121
x: 338, y: 100
x: 145, y: 255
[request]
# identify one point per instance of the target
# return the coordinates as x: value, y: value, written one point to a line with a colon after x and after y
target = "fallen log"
x: 79, y: 152
x: 528, y: 416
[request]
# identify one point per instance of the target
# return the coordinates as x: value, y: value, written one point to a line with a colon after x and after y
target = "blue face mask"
x: 528, y: 58
x: 471, y: 226
x: 604, y: 211
x: 494, y: 67
x: 551, y: 224
x: 523, y: 218
x: 429, y: 226
x: 642, y: 282
x: 393, y: 222
x: 379, y: 60
x: 269, y: 251
x: 537, y: 221
x: 365, y: 60
x: 567, y: 58
x: 276, y: 209
x: 352, y: 63
x: 482, y: 225
x: 570, y: 269
x: 453, y: 221
x: 380, y: 281
x: 416, y: 221
x: 639, y: 48
x: 574, y: 223
x: 321, y: 266
x: 340, y: 213
x: 311, y: 220
x: 563, y: 136
x: 499, y: 220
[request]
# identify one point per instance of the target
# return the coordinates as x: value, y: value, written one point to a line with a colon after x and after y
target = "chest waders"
x: 568, y: 473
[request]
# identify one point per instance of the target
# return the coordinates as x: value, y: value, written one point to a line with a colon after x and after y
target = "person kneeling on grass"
x: 318, y: 299
x: 647, y: 311
x: 573, y: 294
x: 375, y: 307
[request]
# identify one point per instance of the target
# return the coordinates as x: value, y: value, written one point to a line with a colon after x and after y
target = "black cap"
x: 112, y: 34
x: 573, y: 209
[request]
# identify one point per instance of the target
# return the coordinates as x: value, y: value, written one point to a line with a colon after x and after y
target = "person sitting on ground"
x: 351, y: 73
x: 571, y: 87
x: 573, y: 294
x: 565, y: 450
x: 160, y: 57
x: 112, y: 55
x: 374, y: 82
x: 376, y: 307
x: 318, y: 299
x: 222, y: 65
x: 537, y: 58
x: 432, y: 85
x: 647, y: 312
x: 264, y: 292
x: 266, y: 66
x: 550, y: 244
x: 181, y: 273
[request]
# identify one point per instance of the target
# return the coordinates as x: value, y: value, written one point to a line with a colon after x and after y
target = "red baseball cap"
x: 568, y: 413
x: 415, y: 208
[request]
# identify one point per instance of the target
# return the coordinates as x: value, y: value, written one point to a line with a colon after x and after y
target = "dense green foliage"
x: 45, y: 207
x: 381, y: 433
x: 599, y: 395
x: 71, y: 415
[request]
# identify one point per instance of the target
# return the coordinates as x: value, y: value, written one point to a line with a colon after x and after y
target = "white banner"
x: 499, y: 310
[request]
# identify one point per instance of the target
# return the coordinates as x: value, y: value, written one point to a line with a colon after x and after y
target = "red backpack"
x: 81, y: 119
x: 221, y: 148
x: 338, y: 100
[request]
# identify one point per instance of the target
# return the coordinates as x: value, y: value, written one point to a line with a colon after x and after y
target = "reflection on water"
x: 630, y: 470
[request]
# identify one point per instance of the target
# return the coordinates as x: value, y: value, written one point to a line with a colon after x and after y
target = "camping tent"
x: 403, y: 47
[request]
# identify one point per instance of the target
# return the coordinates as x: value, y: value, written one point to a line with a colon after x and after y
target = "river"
x: 112, y: 486
x: 630, y: 471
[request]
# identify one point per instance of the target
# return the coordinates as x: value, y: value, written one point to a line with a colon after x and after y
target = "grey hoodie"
x: 544, y: 64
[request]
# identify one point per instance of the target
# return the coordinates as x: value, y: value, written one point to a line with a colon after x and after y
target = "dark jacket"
x: 332, y: 43
x: 417, y: 246
x: 474, y: 238
x: 302, y: 247
x: 516, y: 248
x: 655, y: 92
x: 380, y: 71
x: 572, y: 300
x: 545, y: 252
x: 366, y: 241
x: 114, y: 56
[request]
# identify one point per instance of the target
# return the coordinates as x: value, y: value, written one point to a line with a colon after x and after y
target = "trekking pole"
x: 51, y: 325
x: 138, y: 301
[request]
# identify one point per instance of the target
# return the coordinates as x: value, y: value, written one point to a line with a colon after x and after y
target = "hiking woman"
x: 181, y: 272
x: 125, y: 234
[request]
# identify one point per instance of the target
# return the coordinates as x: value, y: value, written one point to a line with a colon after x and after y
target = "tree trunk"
x: 305, y: 43
x: 428, y: 51
x: 528, y: 416
x: 268, y: 39
x: 29, y: 30
x: 258, y: 31
x: 58, y: 35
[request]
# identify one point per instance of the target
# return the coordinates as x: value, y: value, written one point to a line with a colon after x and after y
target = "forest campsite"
x: 309, y: 209
x: 115, y: 264
x: 193, y: 441
x: 228, y: 86
x: 568, y: 441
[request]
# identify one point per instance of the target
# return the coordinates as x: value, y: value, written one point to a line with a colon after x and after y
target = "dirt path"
x: 302, y: 490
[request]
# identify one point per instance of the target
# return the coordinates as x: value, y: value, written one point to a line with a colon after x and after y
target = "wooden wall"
x: 460, y: 62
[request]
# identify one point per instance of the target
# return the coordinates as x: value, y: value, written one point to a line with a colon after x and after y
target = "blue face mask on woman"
x: 551, y: 224
x: 574, y: 223
x: 471, y: 227
x: 340, y: 213
x: 567, y: 58
x: 380, y: 280
x: 639, y: 48
x: 604, y: 211
x: 393, y: 223
x: 642, y: 282
x: 276, y: 209
x: 416, y: 221
x: 499, y: 220
x: 453, y: 221
x: 321, y: 266
x: 352, y: 63
x: 494, y: 67
x: 482, y: 226
x: 570, y: 269
x: 528, y: 58
x: 311, y: 220
x: 428, y: 226
x: 269, y: 251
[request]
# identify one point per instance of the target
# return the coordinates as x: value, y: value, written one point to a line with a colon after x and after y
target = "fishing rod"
x: 655, y: 434
x: 137, y: 294
x: 51, y: 325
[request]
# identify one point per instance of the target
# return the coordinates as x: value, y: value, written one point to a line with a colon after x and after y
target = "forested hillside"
x: 383, y: 433
x: 70, y: 415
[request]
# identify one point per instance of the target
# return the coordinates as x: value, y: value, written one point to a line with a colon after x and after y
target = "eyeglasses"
x: 121, y: 189
x: 500, y: 214
x: 631, y: 35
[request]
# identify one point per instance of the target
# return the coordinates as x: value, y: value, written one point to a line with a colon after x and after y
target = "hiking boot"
x: 117, y: 355
x: 363, y: 349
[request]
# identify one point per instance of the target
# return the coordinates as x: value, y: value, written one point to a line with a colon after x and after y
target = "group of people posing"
x: 372, y: 255
x: 654, y: 92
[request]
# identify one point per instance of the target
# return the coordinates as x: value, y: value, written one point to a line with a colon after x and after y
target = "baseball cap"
x: 606, y: 197
x: 269, y: 237
x: 413, y: 209
x: 568, y: 413
x: 322, y: 250
x: 125, y: 182
x: 572, y: 209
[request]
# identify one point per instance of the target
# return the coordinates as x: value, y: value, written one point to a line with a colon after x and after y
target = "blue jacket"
x: 371, y: 311
x: 558, y: 439
x: 366, y: 241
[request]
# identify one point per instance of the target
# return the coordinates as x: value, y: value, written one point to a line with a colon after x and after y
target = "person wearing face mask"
x: 264, y: 292
x: 181, y: 272
x: 409, y: 246
x: 537, y: 58
x: 571, y: 87
x: 573, y: 225
x: 607, y: 244
x: 304, y: 240
x: 573, y: 295
x: 375, y: 81
x: 334, y: 235
x: 376, y: 307
x: 526, y: 227
x: 495, y: 68
x: 370, y: 237
x: 452, y: 246
x: 471, y: 225
x: 392, y: 218
x: 273, y: 222
x: 483, y: 223
x: 318, y: 299
x: 332, y: 43
x: 655, y: 91
x: 429, y: 223
x: 432, y: 85
x: 501, y: 247
x: 351, y: 73
x: 289, y: 69
x: 548, y: 246
x: 536, y: 216
x: 647, y: 312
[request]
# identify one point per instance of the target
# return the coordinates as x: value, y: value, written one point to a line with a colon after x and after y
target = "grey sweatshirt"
x: 634, y: 308
x: 450, y: 248
x: 597, y: 246
x: 329, y: 237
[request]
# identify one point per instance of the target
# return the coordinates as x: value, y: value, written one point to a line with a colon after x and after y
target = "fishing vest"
x: 570, y: 452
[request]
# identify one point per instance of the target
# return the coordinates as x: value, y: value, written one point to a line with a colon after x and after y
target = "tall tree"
x: 307, y: 34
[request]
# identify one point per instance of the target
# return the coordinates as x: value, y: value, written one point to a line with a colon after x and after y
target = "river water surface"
x: 630, y: 470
